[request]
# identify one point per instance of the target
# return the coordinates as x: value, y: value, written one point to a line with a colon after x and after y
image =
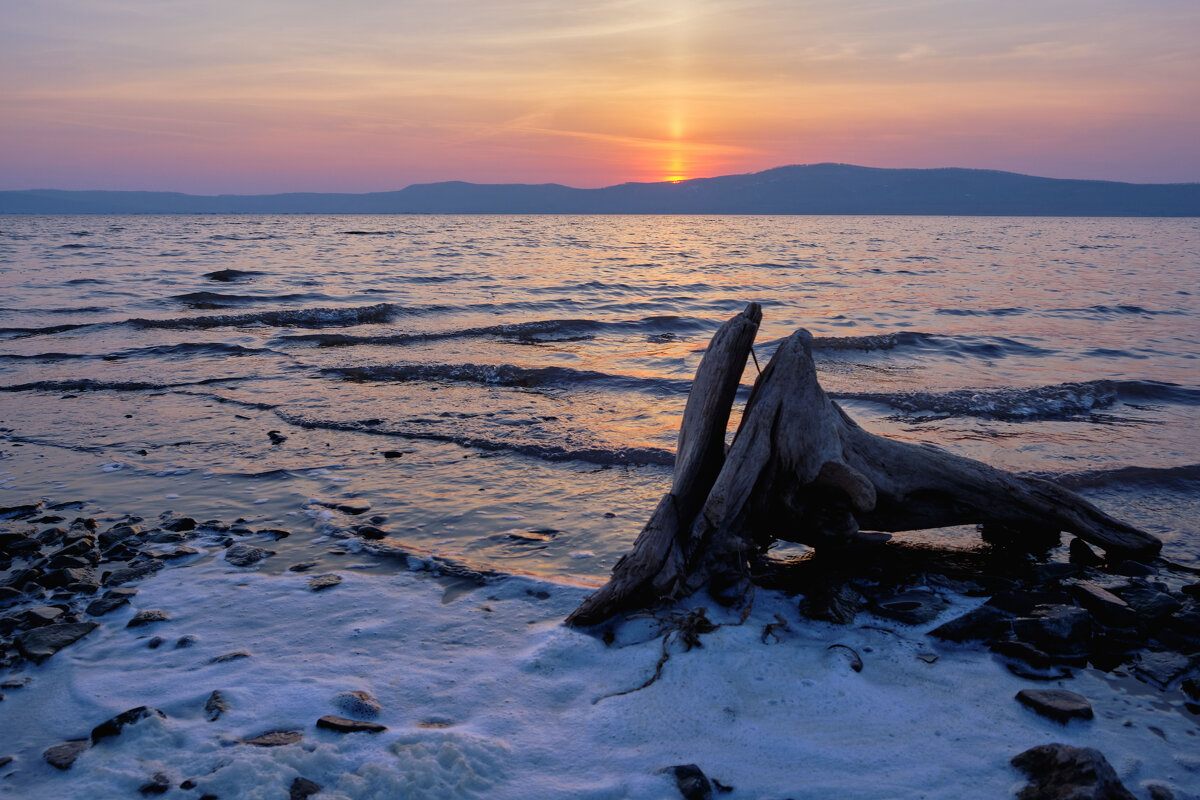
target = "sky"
x: 259, y: 96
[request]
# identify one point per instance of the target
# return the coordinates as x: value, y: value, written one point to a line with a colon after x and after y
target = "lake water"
x: 507, y: 389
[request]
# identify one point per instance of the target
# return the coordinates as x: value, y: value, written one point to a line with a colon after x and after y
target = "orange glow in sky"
x: 305, y: 95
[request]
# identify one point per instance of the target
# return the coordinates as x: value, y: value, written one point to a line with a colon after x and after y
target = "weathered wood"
x: 651, y: 568
x: 801, y: 470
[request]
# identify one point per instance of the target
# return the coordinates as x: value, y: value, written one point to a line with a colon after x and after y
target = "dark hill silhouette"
x: 807, y: 189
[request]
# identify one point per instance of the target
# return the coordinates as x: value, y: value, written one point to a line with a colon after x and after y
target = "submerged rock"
x: 114, y: 726
x: 275, y: 739
x: 159, y: 784
x: 301, y: 788
x: 147, y: 617
x: 133, y: 572
x: 1062, y: 772
x: 1057, y: 704
x: 243, y: 555
x: 691, y: 781
x: 343, y: 725
x: 216, y: 705
x: 324, y: 582
x: 112, y: 600
x: 62, y: 756
x: 40, y: 643
x: 358, y: 703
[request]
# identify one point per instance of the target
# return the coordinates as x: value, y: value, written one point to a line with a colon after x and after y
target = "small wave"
x: 184, y: 349
x: 320, y: 317
x: 230, y: 275
x: 45, y: 330
x: 85, y: 282
x: 1186, y: 477
x: 509, y: 375
x: 1061, y: 401
x: 84, y: 385
x: 220, y: 300
x: 981, y: 312
x: 878, y: 341
x: 365, y: 233
x: 237, y: 237
x: 620, y: 456
x: 73, y: 246
x: 1117, y: 309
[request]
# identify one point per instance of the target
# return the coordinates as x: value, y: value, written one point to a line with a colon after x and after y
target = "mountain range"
x: 798, y: 189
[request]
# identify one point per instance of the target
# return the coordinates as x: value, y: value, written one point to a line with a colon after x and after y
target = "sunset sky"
x: 363, y: 95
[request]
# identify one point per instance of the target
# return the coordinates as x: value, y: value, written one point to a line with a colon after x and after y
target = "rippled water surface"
x: 508, y: 388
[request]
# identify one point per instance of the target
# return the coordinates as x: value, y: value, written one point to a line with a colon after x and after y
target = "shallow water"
x: 526, y: 374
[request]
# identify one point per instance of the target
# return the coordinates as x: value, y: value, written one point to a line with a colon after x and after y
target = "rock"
x: 167, y: 537
x: 225, y: 657
x: 358, y: 703
x: 1135, y: 569
x: 180, y: 552
x: 62, y: 756
x: 1031, y: 673
x: 370, y: 532
x: 303, y: 566
x: 6, y: 760
x: 1083, y: 555
x: 40, y: 643
x: 274, y: 533
x: 324, y: 582
x: 243, y: 555
x: 117, y: 533
x: 68, y: 576
x: 275, y: 739
x: 159, y: 784
x: 392, y: 454
x: 301, y: 788
x: 42, y: 615
x: 1159, y: 792
x: 343, y: 725
x: 133, y: 572
x: 838, y: 604
x: 185, y: 641
x: 353, y: 506
x: 911, y: 608
x: 276, y: 437
x: 181, y: 524
x: 1058, y: 630
x: 1148, y: 603
x: 1062, y: 772
x: 114, y: 726
x: 155, y: 642
x: 1106, y: 607
x: 112, y: 600
x: 1057, y: 704
x: 982, y: 624
x: 1161, y: 668
x: 147, y: 617
x: 16, y: 512
x: 216, y: 705
x: 693, y: 784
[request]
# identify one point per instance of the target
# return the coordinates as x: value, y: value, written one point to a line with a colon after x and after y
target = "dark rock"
x: 1192, y: 590
x: 276, y: 437
x: 243, y: 555
x: 911, y: 608
x: 1083, y: 555
x: 62, y: 756
x: 1159, y: 792
x: 1106, y: 607
x: 40, y: 643
x: 155, y: 642
x: 1149, y: 603
x: 275, y: 738
x: 353, y: 506
x: 392, y: 454
x: 1029, y: 672
x: 1135, y: 569
x: 1057, y: 704
x: 1062, y: 772
x: 1054, y: 571
x: 226, y: 657
x: 22, y: 577
x: 301, y: 788
x: 180, y: 552
x: 1023, y: 602
x: 324, y: 582
x: 19, y: 511
x: 188, y: 785
x: 167, y: 537
x: 1161, y: 668
x: 370, y: 532
x: 185, y: 641
x: 983, y: 624
x: 117, y: 533
x: 1059, y: 630
x: 303, y: 566
x: 133, y: 572
x: 112, y: 600
x: 343, y: 725
x: 159, y: 784
x: 181, y: 524
x: 38, y: 616
x: 216, y: 705
x: 6, y: 760
x: 693, y: 784
x: 838, y: 604
x: 69, y: 576
x: 358, y: 703
x: 274, y: 533
x: 147, y: 617
x: 114, y: 726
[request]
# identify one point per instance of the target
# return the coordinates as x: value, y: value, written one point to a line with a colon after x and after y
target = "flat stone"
x: 43, y: 615
x: 167, y: 537
x: 324, y: 582
x: 226, y: 657
x: 40, y: 643
x: 243, y: 555
x: 180, y: 552
x: 62, y: 756
x: 114, y: 726
x: 112, y: 600
x: 343, y: 725
x: 1056, y: 629
x: 1149, y: 603
x: 1062, y: 772
x: 980, y: 624
x: 302, y: 788
x: 216, y: 705
x: 1105, y: 606
x: 358, y: 703
x: 117, y: 533
x: 303, y: 566
x: 133, y: 572
x: 1162, y: 668
x: 68, y: 576
x: 1057, y: 704
x: 147, y: 617
x: 275, y: 739
x: 1083, y: 555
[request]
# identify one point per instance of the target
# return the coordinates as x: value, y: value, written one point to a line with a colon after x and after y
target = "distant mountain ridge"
x: 798, y: 189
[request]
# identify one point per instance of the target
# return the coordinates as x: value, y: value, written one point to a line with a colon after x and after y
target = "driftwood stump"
x: 801, y: 470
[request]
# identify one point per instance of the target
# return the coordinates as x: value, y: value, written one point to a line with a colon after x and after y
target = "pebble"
x: 147, y: 617
x: 62, y: 756
x: 243, y: 555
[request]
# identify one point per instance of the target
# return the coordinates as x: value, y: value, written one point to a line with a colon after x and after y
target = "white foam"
x: 491, y: 696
